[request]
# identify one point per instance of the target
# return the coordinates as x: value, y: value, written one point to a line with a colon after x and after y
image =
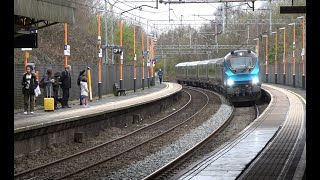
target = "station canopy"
x: 31, y: 15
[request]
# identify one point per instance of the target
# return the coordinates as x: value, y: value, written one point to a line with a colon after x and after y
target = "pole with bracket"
x: 142, y: 45
x: 302, y: 57
x: 99, y: 59
x: 134, y: 60
x: 65, y: 43
x: 121, y: 57
x: 148, y: 61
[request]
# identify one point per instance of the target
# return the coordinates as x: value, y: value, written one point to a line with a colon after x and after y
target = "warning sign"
x: 67, y: 50
x: 100, y: 52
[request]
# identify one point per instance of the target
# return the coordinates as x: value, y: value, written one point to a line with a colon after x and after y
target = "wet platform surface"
x: 40, y: 118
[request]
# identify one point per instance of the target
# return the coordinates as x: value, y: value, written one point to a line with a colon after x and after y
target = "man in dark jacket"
x: 56, y: 86
x: 65, y: 80
x: 29, y: 83
x: 160, y: 74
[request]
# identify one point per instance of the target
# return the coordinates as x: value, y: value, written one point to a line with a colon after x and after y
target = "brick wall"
x: 110, y: 75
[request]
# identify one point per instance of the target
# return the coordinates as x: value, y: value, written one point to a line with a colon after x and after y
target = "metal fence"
x: 280, y: 76
x: 110, y: 75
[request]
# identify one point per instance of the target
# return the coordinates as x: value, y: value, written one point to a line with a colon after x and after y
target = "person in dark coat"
x: 160, y: 74
x: 29, y: 83
x: 81, y: 75
x: 56, y: 86
x: 65, y: 80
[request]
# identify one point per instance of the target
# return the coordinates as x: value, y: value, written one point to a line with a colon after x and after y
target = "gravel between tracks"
x: 140, y: 162
x: 243, y: 116
x: 58, y: 151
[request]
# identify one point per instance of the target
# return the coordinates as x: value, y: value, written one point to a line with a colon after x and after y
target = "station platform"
x: 109, y: 103
x: 271, y: 147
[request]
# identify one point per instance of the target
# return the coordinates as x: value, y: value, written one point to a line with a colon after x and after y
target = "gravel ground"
x: 115, y: 147
x: 243, y: 116
x: 55, y: 152
x: 142, y: 161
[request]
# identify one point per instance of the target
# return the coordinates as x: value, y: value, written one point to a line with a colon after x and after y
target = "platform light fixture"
x: 266, y: 36
x: 303, y: 50
x: 284, y: 54
x: 294, y: 54
x: 276, y: 58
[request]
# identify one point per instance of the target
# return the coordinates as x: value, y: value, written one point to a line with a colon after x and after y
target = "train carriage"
x: 237, y: 75
x: 203, y: 72
x: 181, y: 72
x: 192, y: 73
x: 215, y: 73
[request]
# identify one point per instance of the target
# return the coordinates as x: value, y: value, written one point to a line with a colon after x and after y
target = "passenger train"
x: 236, y: 75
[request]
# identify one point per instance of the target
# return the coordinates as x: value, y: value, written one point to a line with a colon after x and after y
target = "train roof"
x: 181, y: 64
x: 215, y: 60
x: 204, y: 62
x: 193, y: 63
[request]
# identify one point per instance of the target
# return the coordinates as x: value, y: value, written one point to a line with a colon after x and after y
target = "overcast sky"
x: 162, y: 13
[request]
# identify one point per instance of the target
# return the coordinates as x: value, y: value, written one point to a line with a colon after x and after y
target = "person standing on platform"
x: 56, y: 86
x: 84, y: 91
x: 82, y: 73
x: 160, y: 74
x: 48, y: 84
x: 29, y: 83
x: 65, y: 80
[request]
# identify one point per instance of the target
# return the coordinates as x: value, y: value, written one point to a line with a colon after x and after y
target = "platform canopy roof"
x: 61, y: 11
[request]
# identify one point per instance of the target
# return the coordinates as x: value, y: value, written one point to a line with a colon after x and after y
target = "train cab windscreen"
x: 241, y: 64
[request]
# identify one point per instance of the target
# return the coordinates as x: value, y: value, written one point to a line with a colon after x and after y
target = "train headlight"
x: 255, y: 80
x: 230, y: 82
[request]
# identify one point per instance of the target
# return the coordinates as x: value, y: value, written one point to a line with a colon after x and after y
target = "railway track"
x: 78, y: 162
x: 192, y: 156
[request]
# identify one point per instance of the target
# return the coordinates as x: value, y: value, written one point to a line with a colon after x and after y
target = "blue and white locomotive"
x: 236, y: 75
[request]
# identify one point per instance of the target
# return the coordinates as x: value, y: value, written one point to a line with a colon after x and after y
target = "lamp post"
x: 294, y: 54
x: 121, y: 56
x: 276, y: 58
x: 134, y: 60
x: 302, y: 52
x: 266, y: 36
x: 257, y: 46
x: 284, y: 54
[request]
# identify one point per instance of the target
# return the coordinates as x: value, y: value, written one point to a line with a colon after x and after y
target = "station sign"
x: 66, y: 50
x: 100, y: 52
x: 117, y: 50
x: 302, y: 52
x: 121, y: 58
x: 145, y: 52
x: 99, y: 39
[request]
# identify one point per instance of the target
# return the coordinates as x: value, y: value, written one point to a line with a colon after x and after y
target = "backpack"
x: 41, y: 83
